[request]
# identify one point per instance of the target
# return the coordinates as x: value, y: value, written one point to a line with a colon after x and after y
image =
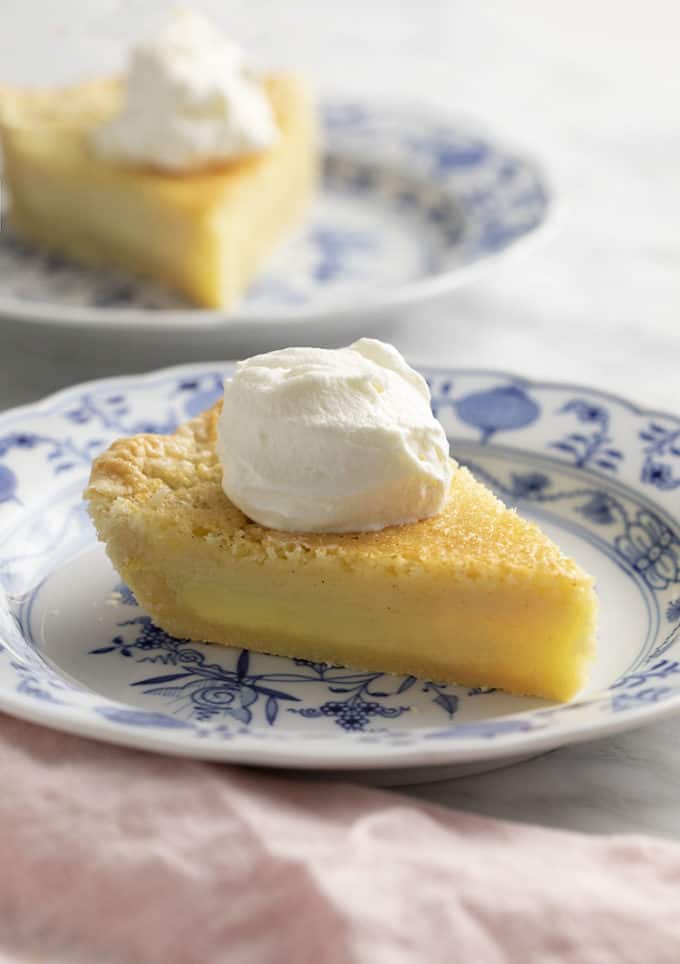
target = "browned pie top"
x: 175, y: 482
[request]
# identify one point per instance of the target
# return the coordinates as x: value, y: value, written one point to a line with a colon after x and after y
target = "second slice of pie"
x: 205, y: 233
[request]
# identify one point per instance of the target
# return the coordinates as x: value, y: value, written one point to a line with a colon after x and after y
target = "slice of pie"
x: 475, y: 595
x: 205, y: 234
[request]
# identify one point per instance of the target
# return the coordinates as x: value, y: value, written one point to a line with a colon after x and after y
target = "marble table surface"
x: 591, y: 89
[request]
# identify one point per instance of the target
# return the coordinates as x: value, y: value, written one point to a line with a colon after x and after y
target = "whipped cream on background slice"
x: 189, y: 100
x: 318, y: 440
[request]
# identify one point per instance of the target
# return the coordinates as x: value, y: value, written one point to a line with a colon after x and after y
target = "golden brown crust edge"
x: 71, y: 105
x: 92, y: 101
x: 178, y: 478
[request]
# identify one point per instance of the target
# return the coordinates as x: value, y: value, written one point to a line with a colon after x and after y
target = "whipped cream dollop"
x: 318, y: 440
x: 189, y: 100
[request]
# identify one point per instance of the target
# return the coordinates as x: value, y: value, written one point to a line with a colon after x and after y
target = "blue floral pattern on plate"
x: 407, y: 200
x: 77, y: 652
x: 207, y: 690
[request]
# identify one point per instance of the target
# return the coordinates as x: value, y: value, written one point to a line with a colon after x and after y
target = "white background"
x: 590, y: 87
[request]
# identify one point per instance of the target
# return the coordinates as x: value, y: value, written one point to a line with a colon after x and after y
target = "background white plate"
x: 410, y: 201
x: 76, y: 653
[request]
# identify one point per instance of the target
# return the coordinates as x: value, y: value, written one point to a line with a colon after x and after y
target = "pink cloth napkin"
x: 110, y: 855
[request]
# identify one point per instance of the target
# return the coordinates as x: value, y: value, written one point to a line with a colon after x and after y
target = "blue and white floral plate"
x: 77, y: 653
x: 409, y: 203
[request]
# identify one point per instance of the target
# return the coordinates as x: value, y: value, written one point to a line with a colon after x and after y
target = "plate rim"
x: 421, y: 291
x: 353, y: 756
x: 366, y: 757
x: 422, y: 365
